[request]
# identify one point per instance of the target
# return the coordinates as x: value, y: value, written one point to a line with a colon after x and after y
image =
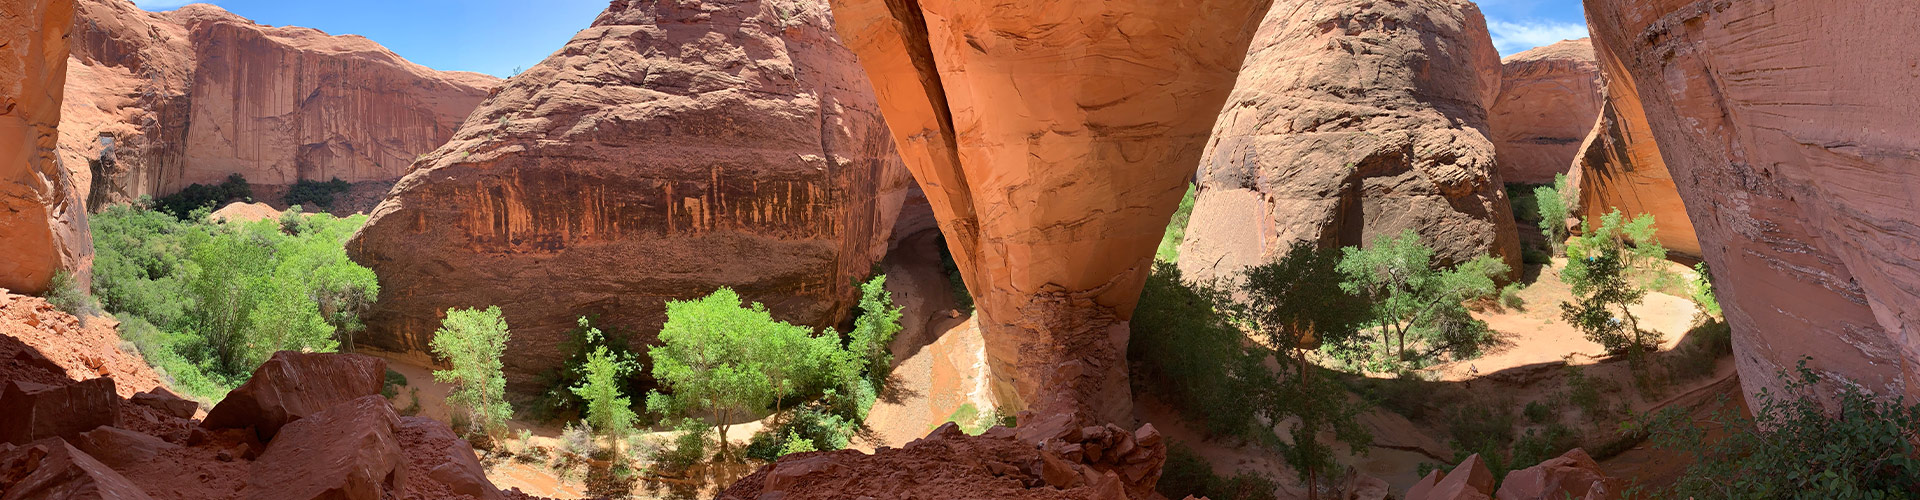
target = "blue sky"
x: 496, y: 36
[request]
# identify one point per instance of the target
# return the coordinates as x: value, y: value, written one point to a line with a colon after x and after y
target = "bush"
x: 473, y: 342
x: 558, y: 399
x: 1861, y: 446
x: 577, y: 438
x: 1537, y: 446
x: 1510, y: 296
x: 608, y: 409
x: 1602, y: 265
x: 1586, y: 393
x: 65, y: 294
x: 197, y: 196
x: 1554, y: 204
x: 1539, y: 413
x: 390, y: 388
x: 1700, y: 289
x: 1184, y: 350
x: 1176, y: 228
x: 687, y: 447
x: 1186, y: 473
x: 315, y: 193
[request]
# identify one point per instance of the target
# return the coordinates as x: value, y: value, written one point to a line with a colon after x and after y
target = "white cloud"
x: 157, y: 5
x: 1514, y: 37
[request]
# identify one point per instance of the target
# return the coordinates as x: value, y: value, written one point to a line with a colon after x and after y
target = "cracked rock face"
x: 43, y: 222
x: 1788, y: 128
x: 1355, y: 120
x: 1054, y: 141
x: 670, y: 149
x: 1549, y: 98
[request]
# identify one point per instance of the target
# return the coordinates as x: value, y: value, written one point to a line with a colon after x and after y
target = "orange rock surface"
x: 1053, y: 141
x: 43, y: 224
x: 670, y: 149
x: 1549, y: 98
x: 1355, y: 120
x: 193, y: 95
x: 1619, y: 168
x: 1788, y: 128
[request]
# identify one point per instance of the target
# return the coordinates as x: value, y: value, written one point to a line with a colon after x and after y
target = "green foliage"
x: 225, y: 297
x: 1187, y: 473
x: 608, y: 409
x: 687, y: 447
x: 473, y: 341
x: 1418, y: 312
x: 65, y: 294
x: 1700, y: 289
x: 1538, y: 446
x: 1602, y: 265
x: 1586, y: 393
x: 1539, y: 413
x: 316, y: 193
x: 1187, y: 350
x: 577, y: 439
x: 390, y: 388
x: 558, y: 399
x: 796, y: 445
x: 815, y: 424
x: 1554, y: 204
x: 1860, y: 446
x: 197, y: 196
x: 1176, y: 228
x: 956, y: 283
x: 874, y: 328
x: 1510, y: 296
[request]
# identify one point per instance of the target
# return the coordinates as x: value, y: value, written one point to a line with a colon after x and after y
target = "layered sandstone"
x: 1355, y: 120
x: 1053, y: 141
x: 1788, y: 129
x: 670, y: 149
x: 43, y: 224
x: 1619, y: 168
x: 1549, y: 98
x: 164, y: 100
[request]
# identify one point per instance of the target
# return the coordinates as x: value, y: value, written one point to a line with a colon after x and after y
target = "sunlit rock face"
x: 1788, y: 128
x: 1619, y: 168
x: 1355, y: 120
x: 669, y: 149
x: 43, y: 222
x: 1549, y: 98
x: 161, y: 100
x: 1054, y: 141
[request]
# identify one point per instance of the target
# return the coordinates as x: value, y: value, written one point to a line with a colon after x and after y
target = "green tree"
x: 473, y: 342
x: 1297, y: 304
x: 1602, y: 264
x: 1412, y: 299
x: 874, y: 328
x: 608, y: 410
x: 721, y: 359
x: 1555, y: 206
x: 1700, y: 289
x: 1177, y: 228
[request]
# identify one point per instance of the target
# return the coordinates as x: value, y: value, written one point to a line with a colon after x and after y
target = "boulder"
x: 167, y: 99
x: 43, y: 222
x: 1423, y: 488
x: 292, y: 385
x: 1788, y: 128
x: 1054, y: 142
x: 51, y: 469
x: 164, y: 400
x: 1571, y: 475
x: 1549, y: 98
x: 347, y: 452
x: 1355, y: 120
x: 120, y: 448
x: 432, y: 447
x: 669, y: 149
x: 1468, y: 481
x: 35, y: 411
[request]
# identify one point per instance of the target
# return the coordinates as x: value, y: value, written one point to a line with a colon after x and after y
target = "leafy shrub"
x: 608, y: 408
x: 65, y: 294
x: 1539, y: 413
x: 1176, y: 228
x: 1480, y: 426
x: 1187, y: 352
x: 577, y: 438
x: 795, y: 444
x: 473, y: 342
x: 1861, y: 446
x: 1698, y: 357
x: 688, y: 447
x: 197, y: 196
x: 1539, y: 446
x: 1186, y: 473
x: 1510, y: 296
x: 558, y: 399
x: 390, y: 388
x: 1554, y: 204
x: 315, y: 193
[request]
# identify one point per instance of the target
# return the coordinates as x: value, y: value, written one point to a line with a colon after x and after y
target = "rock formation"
x: 163, y: 100
x: 36, y: 411
x: 1788, y: 129
x: 1549, y: 98
x: 292, y: 385
x: 43, y: 224
x: 1619, y: 168
x: 1054, y: 142
x: 1355, y: 120
x: 668, y: 150
x: 53, y: 469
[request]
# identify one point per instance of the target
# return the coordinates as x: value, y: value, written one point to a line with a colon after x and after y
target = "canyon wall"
x: 1619, y: 168
x: 1787, y: 127
x: 164, y: 100
x: 1355, y: 120
x: 670, y: 149
x: 1054, y: 142
x: 1549, y: 98
x: 43, y: 223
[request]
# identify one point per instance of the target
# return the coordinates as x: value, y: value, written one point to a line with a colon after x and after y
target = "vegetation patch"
x: 315, y: 193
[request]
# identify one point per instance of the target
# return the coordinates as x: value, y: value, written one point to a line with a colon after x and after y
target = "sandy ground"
x: 1534, y: 334
x: 939, y: 357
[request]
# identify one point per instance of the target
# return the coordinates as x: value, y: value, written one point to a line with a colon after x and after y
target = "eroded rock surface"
x: 1549, y: 98
x: 292, y: 385
x: 347, y: 452
x: 670, y: 149
x: 35, y: 411
x: 1355, y: 120
x: 192, y: 95
x: 1788, y: 129
x: 1054, y: 141
x: 51, y: 469
x: 43, y: 222
x: 1619, y: 168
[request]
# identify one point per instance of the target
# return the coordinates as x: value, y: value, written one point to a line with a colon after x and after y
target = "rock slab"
x: 43, y: 220
x: 292, y: 385
x: 51, y: 469
x: 35, y: 411
x: 347, y: 452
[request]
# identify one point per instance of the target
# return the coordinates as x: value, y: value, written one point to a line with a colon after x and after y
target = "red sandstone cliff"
x: 1549, y: 98
x: 1619, y: 168
x: 670, y: 149
x: 1788, y: 129
x: 1054, y: 141
x: 43, y: 224
x: 193, y: 95
x: 1355, y: 120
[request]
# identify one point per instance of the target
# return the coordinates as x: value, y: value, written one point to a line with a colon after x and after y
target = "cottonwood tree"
x: 473, y: 341
x: 1555, y: 205
x: 608, y: 410
x: 1609, y: 268
x: 1411, y: 300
